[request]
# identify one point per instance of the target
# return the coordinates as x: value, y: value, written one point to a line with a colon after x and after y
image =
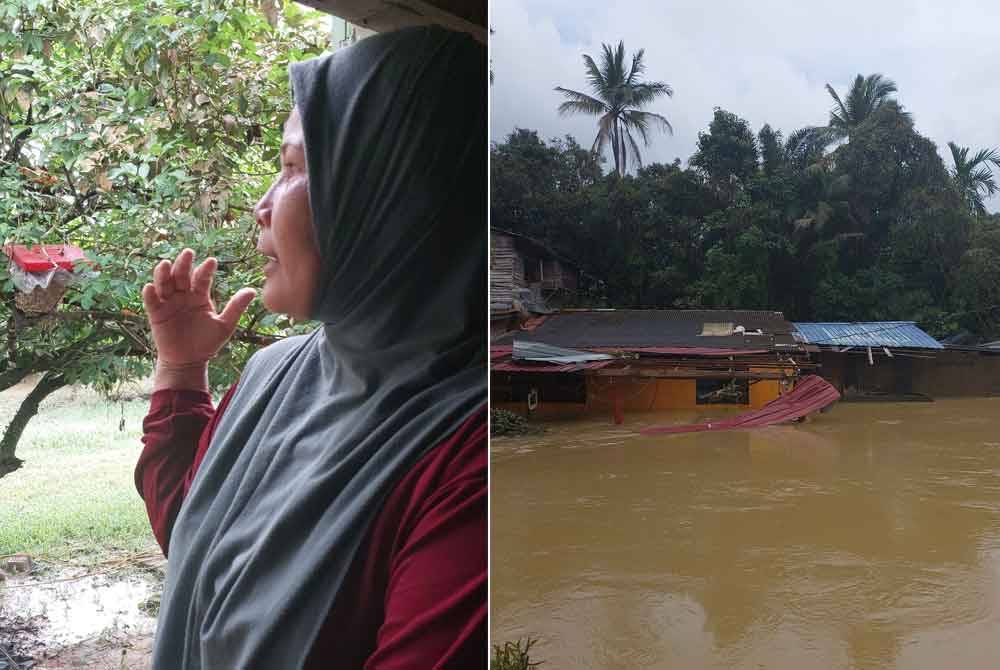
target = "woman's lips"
x: 271, y: 265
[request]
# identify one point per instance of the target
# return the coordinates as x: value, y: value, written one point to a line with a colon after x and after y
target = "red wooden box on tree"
x: 42, y: 257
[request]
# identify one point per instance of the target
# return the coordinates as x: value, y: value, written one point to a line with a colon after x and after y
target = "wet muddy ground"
x: 58, y: 615
x: 62, y: 616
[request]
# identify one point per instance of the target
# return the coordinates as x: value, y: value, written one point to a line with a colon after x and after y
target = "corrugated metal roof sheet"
x: 630, y: 328
x: 546, y: 353
x: 901, y: 334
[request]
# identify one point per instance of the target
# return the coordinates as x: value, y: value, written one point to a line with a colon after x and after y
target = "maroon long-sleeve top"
x: 415, y: 594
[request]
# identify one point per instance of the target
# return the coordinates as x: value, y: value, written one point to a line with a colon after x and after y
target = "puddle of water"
x: 77, y: 607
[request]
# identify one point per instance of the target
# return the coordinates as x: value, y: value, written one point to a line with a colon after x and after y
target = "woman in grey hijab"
x: 333, y: 508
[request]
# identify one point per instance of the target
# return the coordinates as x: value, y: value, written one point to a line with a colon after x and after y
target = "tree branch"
x: 49, y: 383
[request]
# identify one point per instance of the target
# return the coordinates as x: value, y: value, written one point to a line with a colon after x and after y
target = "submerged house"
x: 526, y: 278
x: 577, y: 362
x: 597, y: 361
x: 896, y: 360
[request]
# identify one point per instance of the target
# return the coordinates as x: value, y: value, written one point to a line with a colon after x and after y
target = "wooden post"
x: 619, y: 404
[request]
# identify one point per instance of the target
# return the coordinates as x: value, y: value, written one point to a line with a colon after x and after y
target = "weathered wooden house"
x: 526, y: 278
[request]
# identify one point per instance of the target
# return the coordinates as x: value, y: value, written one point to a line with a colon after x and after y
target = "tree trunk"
x: 50, y: 382
x: 615, y: 148
x: 12, y: 377
x: 622, y: 162
x: 620, y: 148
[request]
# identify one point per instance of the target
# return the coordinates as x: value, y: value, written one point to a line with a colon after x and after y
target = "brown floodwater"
x: 867, y: 538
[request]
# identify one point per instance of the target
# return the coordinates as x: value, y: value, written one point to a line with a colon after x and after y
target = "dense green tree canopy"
x: 133, y: 129
x: 874, y: 227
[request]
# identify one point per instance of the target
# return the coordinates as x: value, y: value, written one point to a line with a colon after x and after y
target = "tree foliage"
x: 974, y: 176
x: 135, y: 129
x: 873, y: 228
x: 866, y: 96
x: 619, y: 97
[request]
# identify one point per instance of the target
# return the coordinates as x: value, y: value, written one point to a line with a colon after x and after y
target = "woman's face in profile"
x: 286, y: 231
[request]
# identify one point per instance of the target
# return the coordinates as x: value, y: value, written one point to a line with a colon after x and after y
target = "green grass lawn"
x: 74, y: 495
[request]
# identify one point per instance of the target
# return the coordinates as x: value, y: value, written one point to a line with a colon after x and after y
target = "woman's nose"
x: 262, y: 211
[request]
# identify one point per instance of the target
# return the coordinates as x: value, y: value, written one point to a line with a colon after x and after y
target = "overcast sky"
x: 767, y: 61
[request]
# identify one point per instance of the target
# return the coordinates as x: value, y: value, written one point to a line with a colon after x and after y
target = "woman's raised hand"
x: 186, y: 328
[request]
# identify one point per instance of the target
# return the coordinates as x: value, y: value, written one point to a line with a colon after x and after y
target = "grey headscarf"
x: 322, y: 426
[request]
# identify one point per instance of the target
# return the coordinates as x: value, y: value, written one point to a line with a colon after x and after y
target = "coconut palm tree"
x: 866, y: 96
x: 973, y: 177
x: 619, y: 96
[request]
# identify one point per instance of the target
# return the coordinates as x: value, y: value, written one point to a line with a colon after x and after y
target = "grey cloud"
x: 767, y: 61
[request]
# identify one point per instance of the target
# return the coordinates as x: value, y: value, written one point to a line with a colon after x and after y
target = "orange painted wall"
x: 763, y: 391
x: 641, y: 395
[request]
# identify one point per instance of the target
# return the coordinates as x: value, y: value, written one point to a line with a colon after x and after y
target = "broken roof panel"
x: 897, y: 334
x: 540, y: 352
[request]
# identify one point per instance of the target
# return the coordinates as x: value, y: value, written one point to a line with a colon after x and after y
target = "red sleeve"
x: 176, y: 432
x: 435, y: 603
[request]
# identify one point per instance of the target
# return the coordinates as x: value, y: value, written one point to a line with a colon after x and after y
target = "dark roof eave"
x: 388, y: 15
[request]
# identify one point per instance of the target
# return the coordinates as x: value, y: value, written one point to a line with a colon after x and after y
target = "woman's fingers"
x: 150, y: 300
x: 236, y: 306
x: 201, y: 278
x: 181, y: 271
x: 162, y: 280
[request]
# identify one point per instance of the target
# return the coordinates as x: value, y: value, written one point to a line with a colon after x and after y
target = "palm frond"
x: 986, y: 156
x: 636, y: 119
x: 865, y: 96
x: 646, y: 92
x: 839, y: 116
x: 612, y: 67
x: 958, y: 154
x: 807, y: 144
x: 638, y: 67
x: 619, y: 62
x: 982, y: 180
x: 642, y: 121
x: 598, y: 83
x: 636, y: 154
x: 898, y: 110
x: 580, y: 103
x: 605, y: 126
x: 879, y: 87
x: 857, y: 102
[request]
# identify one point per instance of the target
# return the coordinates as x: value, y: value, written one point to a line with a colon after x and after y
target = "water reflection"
x: 851, y: 541
x: 72, y: 606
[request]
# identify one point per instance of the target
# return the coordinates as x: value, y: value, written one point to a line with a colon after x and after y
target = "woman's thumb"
x: 236, y: 306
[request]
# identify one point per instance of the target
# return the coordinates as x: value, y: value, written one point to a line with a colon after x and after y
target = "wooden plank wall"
x: 506, y: 269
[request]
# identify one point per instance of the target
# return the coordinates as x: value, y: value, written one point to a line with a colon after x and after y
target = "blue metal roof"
x: 903, y: 334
